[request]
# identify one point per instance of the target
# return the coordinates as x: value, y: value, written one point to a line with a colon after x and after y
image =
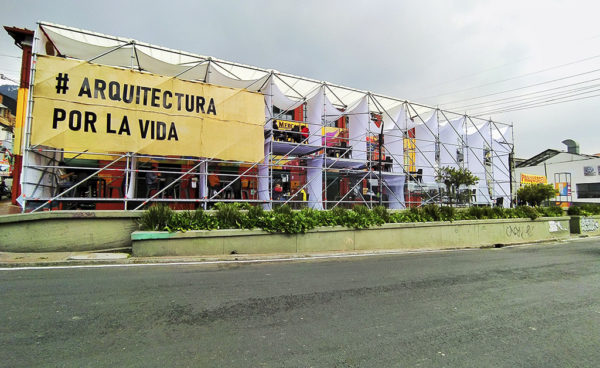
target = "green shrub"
x: 254, y: 218
x: 448, y: 213
x: 284, y: 220
x: 475, y: 213
x: 431, y: 212
x: 574, y: 211
x: 414, y: 214
x: 179, y: 221
x: 535, y: 194
x: 552, y: 211
x: 229, y: 215
x: 584, y: 210
x: 381, y: 214
x: 330, y: 218
x: 526, y: 212
x: 203, y: 221
x: 155, y: 218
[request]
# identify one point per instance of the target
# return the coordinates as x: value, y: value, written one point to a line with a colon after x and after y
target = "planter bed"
x: 420, y: 235
x: 585, y: 225
x: 67, y: 231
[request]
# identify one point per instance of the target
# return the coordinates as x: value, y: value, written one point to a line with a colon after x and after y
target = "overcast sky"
x: 449, y: 54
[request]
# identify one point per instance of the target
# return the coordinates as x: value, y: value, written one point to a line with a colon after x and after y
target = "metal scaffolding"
x: 325, y: 145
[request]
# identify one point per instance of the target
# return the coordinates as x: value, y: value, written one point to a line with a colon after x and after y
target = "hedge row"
x: 284, y: 220
x: 584, y: 210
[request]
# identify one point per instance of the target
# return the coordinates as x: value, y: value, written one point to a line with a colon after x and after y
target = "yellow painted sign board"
x: 83, y: 106
x: 533, y: 179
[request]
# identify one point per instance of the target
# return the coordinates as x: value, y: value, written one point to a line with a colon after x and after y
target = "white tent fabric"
x: 85, y: 49
x: 263, y: 178
x: 358, y: 122
x: 131, y: 189
x: 502, y: 134
x: 344, y: 96
x: 330, y: 112
x: 425, y: 142
x: 297, y: 87
x: 314, y: 117
x: 396, y: 197
x: 476, y: 148
x: 451, y: 142
x: 390, y: 118
x: 281, y: 101
x: 267, y: 91
x: 314, y: 180
x: 501, y: 171
x: 203, y: 180
x: 193, y: 71
x: 33, y: 181
x: 219, y: 76
x: 394, y: 141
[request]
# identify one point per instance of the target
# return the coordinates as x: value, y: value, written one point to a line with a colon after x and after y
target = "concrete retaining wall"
x: 432, y: 235
x: 585, y: 225
x: 67, y: 231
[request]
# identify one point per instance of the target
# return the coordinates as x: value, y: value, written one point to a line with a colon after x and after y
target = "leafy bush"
x: 526, y: 212
x: 381, y: 214
x: 191, y: 220
x: 284, y: 220
x: 535, y: 194
x: 552, y: 211
x: 584, y: 210
x: 448, y: 213
x: 229, y: 215
x: 431, y: 212
x: 254, y: 218
x: 474, y: 213
x: 156, y: 218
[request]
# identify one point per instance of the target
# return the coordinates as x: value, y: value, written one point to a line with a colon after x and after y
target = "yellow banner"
x: 83, y: 106
x: 533, y: 179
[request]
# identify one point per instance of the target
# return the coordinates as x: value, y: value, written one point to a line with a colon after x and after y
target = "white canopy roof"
x: 53, y: 39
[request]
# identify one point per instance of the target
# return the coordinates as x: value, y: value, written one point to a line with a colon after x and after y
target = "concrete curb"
x: 61, y: 260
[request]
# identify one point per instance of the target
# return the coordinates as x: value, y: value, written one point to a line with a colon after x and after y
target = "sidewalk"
x: 14, y: 260
x: 6, y: 208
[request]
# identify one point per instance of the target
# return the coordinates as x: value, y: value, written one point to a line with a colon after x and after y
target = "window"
x: 588, y: 190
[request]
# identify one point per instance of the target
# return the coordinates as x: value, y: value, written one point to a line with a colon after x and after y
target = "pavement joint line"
x: 242, y: 261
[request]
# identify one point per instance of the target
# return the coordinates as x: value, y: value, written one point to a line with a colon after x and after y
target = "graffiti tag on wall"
x: 519, y: 231
x: 555, y: 226
x: 588, y: 224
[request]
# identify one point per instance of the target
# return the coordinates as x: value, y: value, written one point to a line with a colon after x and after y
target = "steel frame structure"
x: 352, y: 162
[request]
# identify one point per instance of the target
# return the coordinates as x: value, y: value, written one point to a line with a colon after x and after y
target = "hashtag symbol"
x: 63, y: 80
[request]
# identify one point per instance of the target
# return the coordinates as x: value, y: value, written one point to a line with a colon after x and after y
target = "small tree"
x: 453, y: 178
x: 535, y: 194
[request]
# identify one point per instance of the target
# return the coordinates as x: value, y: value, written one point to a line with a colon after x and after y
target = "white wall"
x: 566, y: 163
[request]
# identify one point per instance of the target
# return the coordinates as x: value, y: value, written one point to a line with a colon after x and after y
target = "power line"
x: 534, y: 105
x: 524, y: 87
x: 516, y: 77
x: 540, y: 100
x: 531, y: 95
x: 471, y: 75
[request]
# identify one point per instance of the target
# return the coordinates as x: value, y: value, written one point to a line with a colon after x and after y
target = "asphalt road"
x: 533, y: 306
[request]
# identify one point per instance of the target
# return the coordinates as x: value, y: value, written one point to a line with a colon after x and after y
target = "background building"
x: 575, y: 176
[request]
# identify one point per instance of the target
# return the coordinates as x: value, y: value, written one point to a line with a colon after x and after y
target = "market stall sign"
x: 533, y: 179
